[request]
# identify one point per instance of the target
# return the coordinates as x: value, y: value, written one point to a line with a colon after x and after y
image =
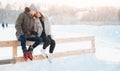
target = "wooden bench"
x: 14, y: 44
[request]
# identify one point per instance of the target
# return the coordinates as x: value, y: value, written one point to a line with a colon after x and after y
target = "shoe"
x: 29, y: 53
x: 49, y: 56
x: 30, y: 49
x: 43, y: 53
x: 30, y: 56
x: 25, y: 55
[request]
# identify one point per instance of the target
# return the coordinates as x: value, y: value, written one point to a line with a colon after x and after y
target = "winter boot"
x: 29, y: 53
x: 25, y: 55
x: 49, y: 56
x: 43, y: 53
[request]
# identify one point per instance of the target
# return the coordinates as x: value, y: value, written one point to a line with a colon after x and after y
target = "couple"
x: 31, y: 25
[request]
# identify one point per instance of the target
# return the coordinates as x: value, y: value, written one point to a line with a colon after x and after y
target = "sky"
x: 76, y: 3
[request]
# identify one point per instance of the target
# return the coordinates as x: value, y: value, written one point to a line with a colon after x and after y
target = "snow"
x: 106, y: 58
x: 72, y: 63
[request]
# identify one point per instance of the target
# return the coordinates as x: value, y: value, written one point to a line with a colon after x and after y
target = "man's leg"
x: 37, y: 40
x: 22, y: 39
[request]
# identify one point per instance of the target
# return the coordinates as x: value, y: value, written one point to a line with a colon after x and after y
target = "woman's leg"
x: 52, y: 45
x: 45, y: 45
x: 46, y: 41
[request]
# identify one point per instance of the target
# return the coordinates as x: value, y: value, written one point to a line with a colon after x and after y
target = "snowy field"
x: 106, y: 58
x: 73, y: 63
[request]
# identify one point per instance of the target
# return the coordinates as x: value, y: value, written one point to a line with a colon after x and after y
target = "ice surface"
x: 106, y: 58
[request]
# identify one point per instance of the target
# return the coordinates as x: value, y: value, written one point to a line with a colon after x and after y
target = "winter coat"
x: 47, y: 25
x: 24, y: 25
x: 38, y: 27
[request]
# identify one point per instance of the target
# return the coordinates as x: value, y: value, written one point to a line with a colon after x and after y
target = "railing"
x: 14, y: 44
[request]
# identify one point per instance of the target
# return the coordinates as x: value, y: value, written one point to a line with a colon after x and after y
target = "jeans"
x: 23, y: 40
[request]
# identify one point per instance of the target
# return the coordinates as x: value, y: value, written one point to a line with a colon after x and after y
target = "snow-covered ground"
x: 106, y: 58
x: 73, y: 63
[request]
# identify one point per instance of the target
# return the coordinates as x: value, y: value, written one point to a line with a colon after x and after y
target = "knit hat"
x: 33, y: 7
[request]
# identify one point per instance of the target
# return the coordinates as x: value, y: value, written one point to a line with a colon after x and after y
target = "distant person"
x: 25, y: 27
x: 6, y: 25
x: 3, y: 25
x: 46, y: 35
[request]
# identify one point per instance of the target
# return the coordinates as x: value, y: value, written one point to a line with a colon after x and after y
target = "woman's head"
x: 39, y: 15
x: 33, y: 9
x: 32, y: 12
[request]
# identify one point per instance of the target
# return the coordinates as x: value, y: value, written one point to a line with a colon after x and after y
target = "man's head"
x: 27, y: 9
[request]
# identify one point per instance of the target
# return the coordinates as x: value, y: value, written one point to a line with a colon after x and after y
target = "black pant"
x: 48, y: 41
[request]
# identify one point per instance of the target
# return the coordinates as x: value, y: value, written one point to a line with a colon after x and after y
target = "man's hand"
x: 34, y: 33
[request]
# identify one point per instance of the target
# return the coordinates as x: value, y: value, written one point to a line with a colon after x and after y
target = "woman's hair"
x: 42, y: 16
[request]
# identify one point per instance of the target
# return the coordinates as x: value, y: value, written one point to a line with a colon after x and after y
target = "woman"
x: 46, y: 35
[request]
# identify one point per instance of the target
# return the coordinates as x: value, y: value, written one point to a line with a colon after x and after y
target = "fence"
x: 14, y: 44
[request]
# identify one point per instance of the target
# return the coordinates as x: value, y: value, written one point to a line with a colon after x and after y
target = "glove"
x: 49, y: 36
x: 22, y: 36
x: 34, y: 33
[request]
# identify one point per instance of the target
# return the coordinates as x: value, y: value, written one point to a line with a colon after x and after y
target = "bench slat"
x: 63, y: 40
x: 59, y: 54
x: 7, y: 61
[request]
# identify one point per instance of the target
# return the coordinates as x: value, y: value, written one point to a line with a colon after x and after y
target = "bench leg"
x: 14, y: 52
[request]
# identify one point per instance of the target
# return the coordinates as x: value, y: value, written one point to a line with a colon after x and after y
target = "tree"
x: 119, y: 14
x: 9, y: 7
x: 0, y: 4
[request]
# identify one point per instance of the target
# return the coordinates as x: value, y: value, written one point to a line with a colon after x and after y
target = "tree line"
x: 68, y: 15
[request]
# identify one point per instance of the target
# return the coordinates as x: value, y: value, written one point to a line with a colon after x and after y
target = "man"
x: 25, y: 31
